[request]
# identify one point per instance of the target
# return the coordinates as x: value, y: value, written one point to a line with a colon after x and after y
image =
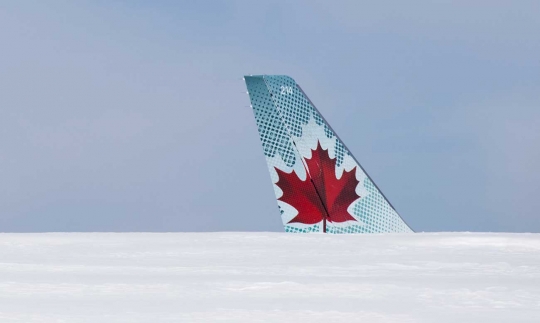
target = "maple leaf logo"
x: 322, y: 196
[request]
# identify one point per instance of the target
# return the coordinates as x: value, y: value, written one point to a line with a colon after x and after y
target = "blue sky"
x: 132, y: 116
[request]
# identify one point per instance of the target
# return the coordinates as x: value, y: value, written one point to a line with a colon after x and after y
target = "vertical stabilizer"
x: 319, y: 185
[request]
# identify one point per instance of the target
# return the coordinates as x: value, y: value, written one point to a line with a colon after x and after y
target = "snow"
x: 269, y: 277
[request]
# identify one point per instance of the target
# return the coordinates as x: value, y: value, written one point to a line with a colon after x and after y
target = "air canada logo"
x: 321, y: 194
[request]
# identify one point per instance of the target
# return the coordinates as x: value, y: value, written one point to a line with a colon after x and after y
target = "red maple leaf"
x: 319, y: 191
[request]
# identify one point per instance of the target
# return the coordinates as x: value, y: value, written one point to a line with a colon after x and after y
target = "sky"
x: 133, y: 116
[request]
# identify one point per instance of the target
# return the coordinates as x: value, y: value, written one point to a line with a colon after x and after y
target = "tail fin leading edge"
x: 319, y: 185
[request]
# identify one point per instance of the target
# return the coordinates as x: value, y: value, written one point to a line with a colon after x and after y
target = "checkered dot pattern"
x: 272, y: 132
x: 377, y: 215
x: 340, y: 151
x: 292, y: 229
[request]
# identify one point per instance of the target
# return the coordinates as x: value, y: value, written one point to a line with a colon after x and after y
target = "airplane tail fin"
x: 319, y: 185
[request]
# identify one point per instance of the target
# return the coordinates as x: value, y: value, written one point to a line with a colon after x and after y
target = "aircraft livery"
x: 319, y: 185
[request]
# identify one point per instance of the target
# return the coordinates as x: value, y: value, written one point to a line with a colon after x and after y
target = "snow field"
x: 269, y: 277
